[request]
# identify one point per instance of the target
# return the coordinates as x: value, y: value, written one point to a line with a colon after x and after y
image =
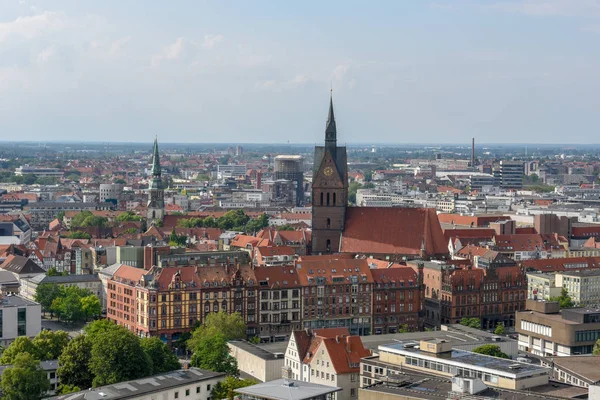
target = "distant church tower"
x: 329, y: 191
x: 156, y: 193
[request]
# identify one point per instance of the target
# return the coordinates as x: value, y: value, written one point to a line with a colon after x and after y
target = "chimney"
x: 186, y: 365
x: 337, y: 338
x: 348, y: 344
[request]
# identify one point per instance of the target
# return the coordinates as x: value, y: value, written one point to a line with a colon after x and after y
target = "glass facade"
x: 22, y: 322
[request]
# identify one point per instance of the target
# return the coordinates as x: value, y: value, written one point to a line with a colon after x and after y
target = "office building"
x: 547, y: 331
x: 287, y: 389
x: 18, y: 317
x: 291, y: 168
x: 191, y: 383
x: 437, y: 357
x: 511, y: 174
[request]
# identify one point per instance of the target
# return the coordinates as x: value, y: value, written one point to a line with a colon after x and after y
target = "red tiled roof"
x: 469, y: 233
x: 278, y: 276
x: 562, y: 264
x: 396, y: 274
x: 526, y: 242
x: 242, y: 241
x: 471, y: 220
x: 385, y: 230
x: 326, y: 267
x: 129, y: 273
x: 269, y: 251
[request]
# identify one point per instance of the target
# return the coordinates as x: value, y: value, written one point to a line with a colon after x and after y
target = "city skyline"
x: 440, y: 71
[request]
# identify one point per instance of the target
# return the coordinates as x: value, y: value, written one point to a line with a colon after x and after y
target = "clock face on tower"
x: 328, y: 171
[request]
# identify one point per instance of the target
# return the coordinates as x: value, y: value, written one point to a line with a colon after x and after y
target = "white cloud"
x: 29, y: 27
x: 210, y: 41
x: 549, y: 7
x: 170, y: 52
x: 46, y: 55
x: 340, y: 72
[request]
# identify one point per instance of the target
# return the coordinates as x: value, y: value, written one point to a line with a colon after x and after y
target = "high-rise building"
x: 329, y: 191
x: 156, y: 193
x: 290, y: 167
x: 511, y: 174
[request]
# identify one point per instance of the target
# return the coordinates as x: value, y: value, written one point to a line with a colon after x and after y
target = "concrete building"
x: 285, y: 389
x: 582, y: 286
x: 111, y: 191
x: 291, y: 168
x: 542, y: 286
x: 256, y: 362
x: 49, y: 367
x: 90, y: 282
x: 192, y: 384
x: 549, y: 224
x: 39, y: 172
x: 437, y: 357
x: 511, y: 174
x: 547, y: 331
x: 19, y: 317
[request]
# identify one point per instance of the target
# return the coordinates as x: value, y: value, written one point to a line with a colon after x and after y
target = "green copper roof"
x: 155, y: 159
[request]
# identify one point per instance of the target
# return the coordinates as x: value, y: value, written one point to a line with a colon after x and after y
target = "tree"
x: 120, y: 181
x: 24, y: 380
x: 96, y: 328
x: 79, y: 235
x: 45, y: 295
x: 66, y: 389
x: 255, y: 225
x: 176, y: 240
x: 22, y: 344
x: 50, y: 344
x: 212, y: 353
x: 52, y: 271
x: 596, y: 350
x: 86, y: 218
x: 60, y: 215
x: 68, y: 307
x: 163, y: 359
x: 90, y: 306
x: 490, y: 350
x: 231, y: 326
x: 499, y: 329
x: 403, y: 328
x: 352, y: 189
x: 226, y: 388
x: 117, y: 356
x: 286, y: 227
x: 471, y: 322
x: 128, y: 216
x: 73, y: 363
x: 564, y: 300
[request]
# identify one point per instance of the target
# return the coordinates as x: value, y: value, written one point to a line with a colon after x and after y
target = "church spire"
x: 155, y: 159
x: 330, y: 129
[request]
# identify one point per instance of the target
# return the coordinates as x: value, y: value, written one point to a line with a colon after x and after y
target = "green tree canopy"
x: 163, y: 359
x: 22, y: 344
x: 66, y: 389
x: 596, y: 350
x: 24, y: 380
x: 231, y: 326
x: 499, y: 329
x: 78, y: 235
x: 50, y: 344
x: 471, y: 322
x: 128, y: 216
x: 86, y: 218
x: 90, y: 306
x: 226, y: 388
x: 73, y: 363
x: 212, y: 353
x: 564, y: 300
x: 118, y: 356
x: 490, y: 350
x: 45, y: 295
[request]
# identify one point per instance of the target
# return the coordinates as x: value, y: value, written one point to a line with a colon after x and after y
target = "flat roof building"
x: 287, y: 389
x: 180, y: 384
x: 437, y: 357
x: 547, y: 331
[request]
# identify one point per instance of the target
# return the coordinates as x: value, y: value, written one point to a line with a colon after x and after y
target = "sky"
x: 402, y: 71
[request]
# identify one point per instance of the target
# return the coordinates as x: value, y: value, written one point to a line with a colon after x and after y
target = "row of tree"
x: 69, y: 303
x: 236, y: 220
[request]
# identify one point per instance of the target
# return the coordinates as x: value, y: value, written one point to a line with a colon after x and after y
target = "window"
x: 197, y: 389
x: 208, y: 388
x: 352, y: 392
x: 176, y: 395
x: 22, y: 321
x: 187, y: 392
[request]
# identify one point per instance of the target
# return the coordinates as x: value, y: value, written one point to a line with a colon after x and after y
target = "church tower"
x: 156, y: 193
x: 329, y: 191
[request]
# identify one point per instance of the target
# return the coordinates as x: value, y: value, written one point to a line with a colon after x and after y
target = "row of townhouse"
x: 315, y: 292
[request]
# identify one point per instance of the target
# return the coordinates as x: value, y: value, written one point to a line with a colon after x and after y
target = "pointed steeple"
x: 155, y: 159
x: 330, y: 129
